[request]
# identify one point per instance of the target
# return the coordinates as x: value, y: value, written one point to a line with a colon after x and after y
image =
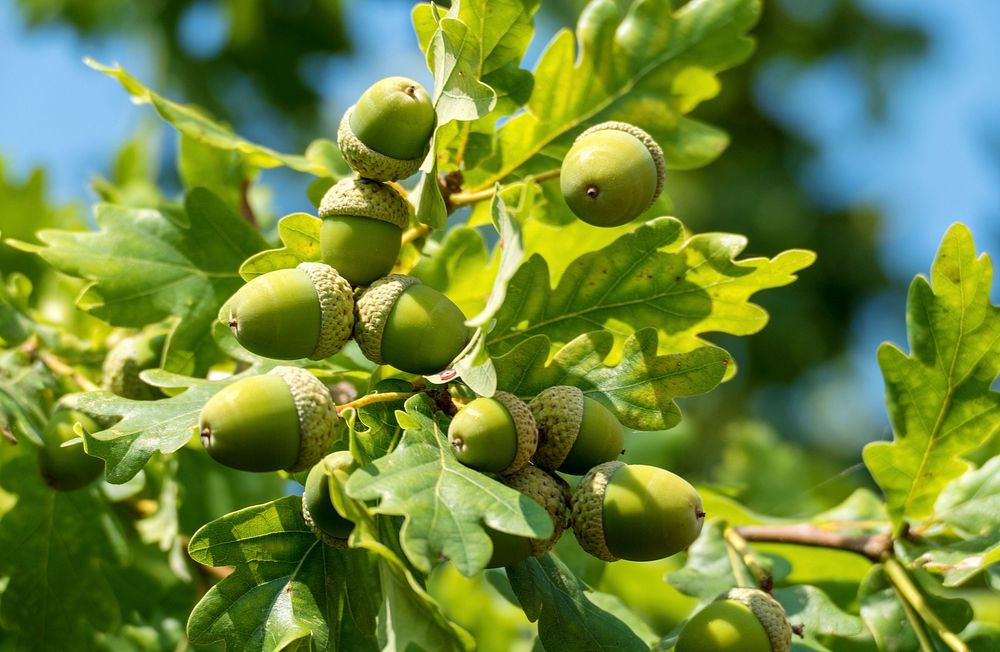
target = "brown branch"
x: 874, y: 546
x: 7, y: 434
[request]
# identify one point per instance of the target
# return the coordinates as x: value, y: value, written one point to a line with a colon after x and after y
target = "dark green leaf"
x: 708, y: 570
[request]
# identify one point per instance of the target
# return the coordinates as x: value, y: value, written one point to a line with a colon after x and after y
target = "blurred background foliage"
x: 859, y: 129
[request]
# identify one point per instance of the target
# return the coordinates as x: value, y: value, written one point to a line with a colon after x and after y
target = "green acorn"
x: 317, y: 510
x: 288, y: 314
x: 363, y: 222
x: 281, y: 420
x: 67, y: 468
x: 613, y: 172
x: 552, y: 493
x: 130, y: 356
x: 635, y: 512
x: 575, y: 432
x: 496, y: 435
x: 740, y: 620
x: 386, y: 135
x: 400, y: 322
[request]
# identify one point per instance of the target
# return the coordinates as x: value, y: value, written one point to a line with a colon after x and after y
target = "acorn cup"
x: 120, y: 371
x: 280, y: 420
x: 635, y: 512
x: 362, y: 230
x: 317, y: 509
x: 400, y: 322
x: 575, y: 432
x: 494, y: 435
x: 386, y: 135
x: 553, y: 494
x: 288, y: 314
x: 613, y: 172
x: 740, y: 620
x: 67, y: 468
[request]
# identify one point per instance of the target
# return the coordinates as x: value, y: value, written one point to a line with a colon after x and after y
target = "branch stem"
x: 874, y: 547
x: 415, y: 232
x: 912, y: 596
x: 465, y: 198
x: 739, y: 545
x: 60, y: 366
x: 371, y: 399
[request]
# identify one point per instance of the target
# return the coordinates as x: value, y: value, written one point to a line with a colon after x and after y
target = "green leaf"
x: 648, y: 68
x: 57, y: 549
x: 707, y: 570
x: 192, y: 122
x: 455, y: 267
x: 650, y: 277
x: 568, y: 620
x: 286, y: 587
x: 445, y: 504
x: 960, y: 562
x: 812, y: 608
x: 221, y: 171
x: 640, y: 387
x: 25, y: 396
x: 299, y: 232
x: 147, y: 265
x: 939, y: 396
x: 971, y: 504
x: 511, y: 254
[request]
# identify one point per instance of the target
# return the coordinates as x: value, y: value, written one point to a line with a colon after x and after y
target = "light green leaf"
x: 960, y: 562
x: 939, y: 396
x: 287, y: 586
x: 300, y: 234
x: 707, y: 570
x: 57, y: 549
x: 640, y: 387
x: 473, y: 365
x: 568, y: 620
x: 147, y: 265
x: 971, y: 504
x: 221, y: 171
x: 511, y: 254
x: 650, y: 277
x: 455, y: 267
x: 445, y: 504
x: 648, y: 68
x: 195, y: 124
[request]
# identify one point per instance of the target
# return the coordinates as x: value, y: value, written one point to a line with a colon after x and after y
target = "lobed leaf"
x: 299, y: 233
x: 445, y: 505
x: 939, y: 397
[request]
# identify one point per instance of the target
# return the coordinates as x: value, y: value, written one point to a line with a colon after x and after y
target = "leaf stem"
x: 60, y: 366
x: 912, y: 595
x: 874, y: 547
x: 371, y: 399
x: 739, y: 545
x: 415, y: 232
x: 465, y: 198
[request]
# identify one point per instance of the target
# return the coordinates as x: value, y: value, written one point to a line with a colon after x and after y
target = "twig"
x: 743, y: 578
x: 912, y: 595
x: 375, y: 398
x: 246, y: 210
x: 60, y: 366
x: 739, y: 545
x: 874, y: 547
x: 465, y: 198
x: 414, y: 233
x: 5, y: 431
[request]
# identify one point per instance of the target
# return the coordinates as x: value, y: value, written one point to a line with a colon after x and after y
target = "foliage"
x: 632, y: 316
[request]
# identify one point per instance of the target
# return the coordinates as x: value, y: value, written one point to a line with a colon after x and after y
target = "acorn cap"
x: 317, y: 489
x: 558, y: 412
x: 366, y: 198
x: 527, y: 432
x: 769, y: 612
x: 336, y: 306
x: 366, y: 161
x: 372, y: 310
x: 316, y: 411
x: 651, y: 145
x: 587, y: 510
x: 551, y: 492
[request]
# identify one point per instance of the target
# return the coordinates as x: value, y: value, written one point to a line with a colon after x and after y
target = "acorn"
x: 317, y: 510
x: 613, y: 172
x: 400, y: 322
x: 123, y: 363
x: 553, y: 494
x: 280, y: 420
x: 288, y: 314
x: 495, y: 435
x: 575, y: 432
x: 635, y: 512
x: 386, y: 135
x: 740, y: 620
x: 67, y: 468
x: 362, y: 228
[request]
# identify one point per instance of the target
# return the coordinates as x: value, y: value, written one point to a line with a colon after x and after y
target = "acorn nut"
x: 317, y: 509
x: 496, y: 435
x: 280, y: 420
x: 400, y: 322
x: 288, y: 314
x: 635, y: 512
x: 740, y: 620
x: 120, y: 372
x: 575, y: 432
x: 613, y: 172
x: 70, y: 467
x: 386, y: 135
x: 362, y: 228
x: 552, y: 493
